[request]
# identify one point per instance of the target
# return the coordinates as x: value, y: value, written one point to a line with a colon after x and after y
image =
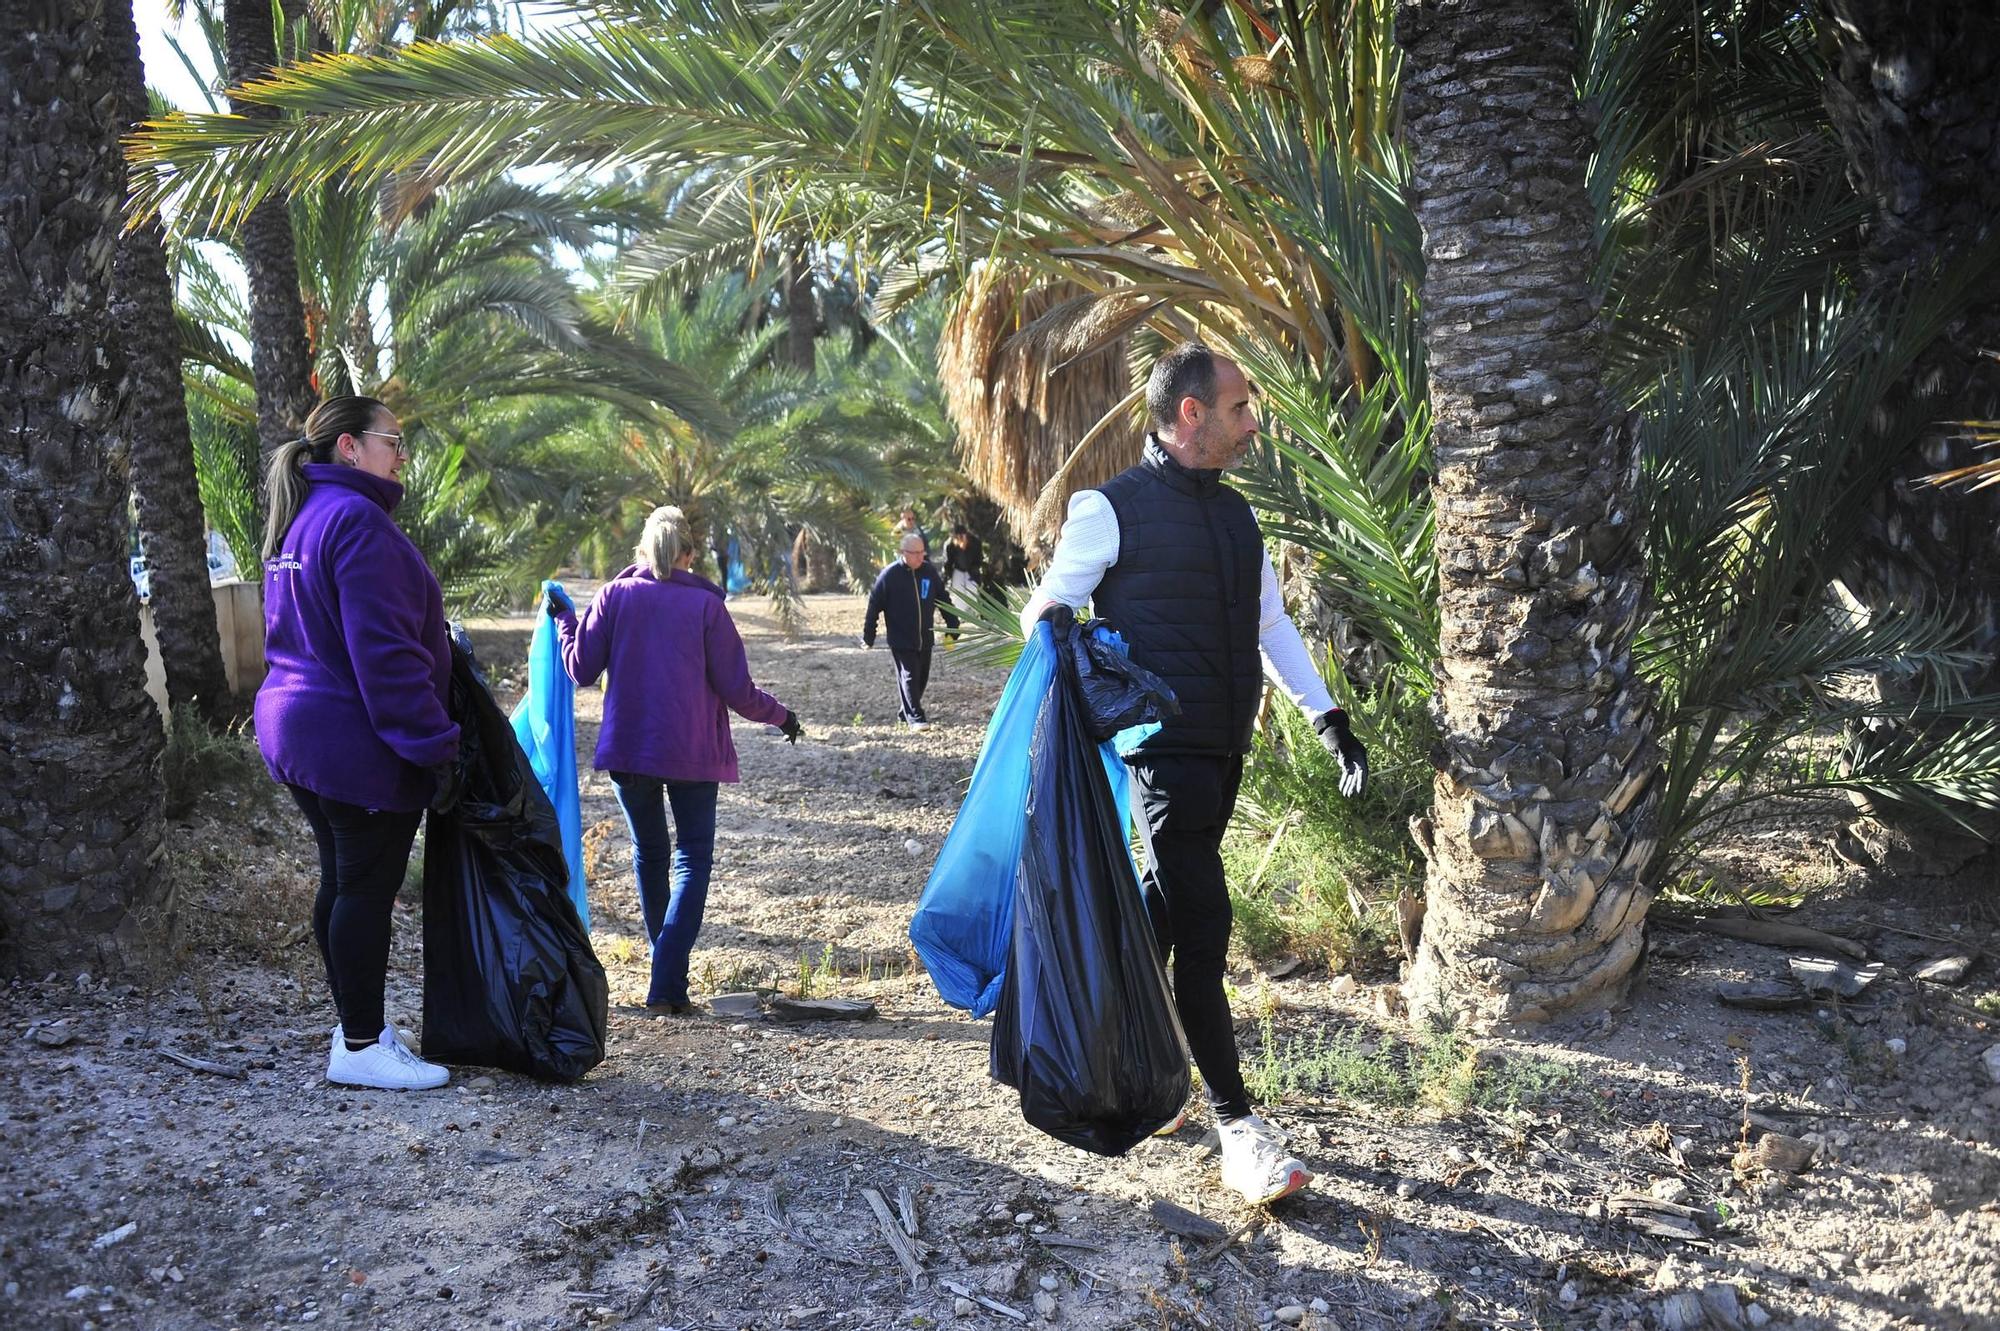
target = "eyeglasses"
x: 396, y: 441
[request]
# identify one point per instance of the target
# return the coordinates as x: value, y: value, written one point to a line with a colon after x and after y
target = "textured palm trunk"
x: 164, y: 493
x: 1545, y: 799
x: 278, y: 353
x: 80, y: 821
x: 801, y: 314
x: 1914, y: 95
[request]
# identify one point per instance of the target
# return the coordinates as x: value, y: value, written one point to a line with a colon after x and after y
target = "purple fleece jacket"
x: 676, y: 664
x: 353, y: 708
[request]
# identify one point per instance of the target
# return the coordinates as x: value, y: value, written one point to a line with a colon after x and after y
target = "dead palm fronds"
x: 1031, y: 368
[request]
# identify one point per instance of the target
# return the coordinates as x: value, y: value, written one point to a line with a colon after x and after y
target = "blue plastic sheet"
x: 963, y: 927
x: 545, y: 723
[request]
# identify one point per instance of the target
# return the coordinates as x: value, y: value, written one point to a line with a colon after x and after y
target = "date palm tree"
x: 80, y: 796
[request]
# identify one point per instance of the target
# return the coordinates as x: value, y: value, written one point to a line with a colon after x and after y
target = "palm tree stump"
x: 1544, y: 810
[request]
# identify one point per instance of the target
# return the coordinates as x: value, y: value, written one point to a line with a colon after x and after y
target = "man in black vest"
x: 1173, y: 558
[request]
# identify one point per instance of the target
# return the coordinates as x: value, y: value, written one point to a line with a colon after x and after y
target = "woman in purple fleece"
x: 677, y: 671
x: 351, y: 718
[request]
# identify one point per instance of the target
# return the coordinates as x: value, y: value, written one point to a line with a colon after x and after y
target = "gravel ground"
x: 716, y: 1173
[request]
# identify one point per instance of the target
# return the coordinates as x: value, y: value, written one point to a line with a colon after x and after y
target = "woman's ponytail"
x: 286, y: 485
x: 285, y: 481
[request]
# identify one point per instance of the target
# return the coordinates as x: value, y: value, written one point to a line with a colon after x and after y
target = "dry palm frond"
x: 1977, y: 475
x: 1029, y: 369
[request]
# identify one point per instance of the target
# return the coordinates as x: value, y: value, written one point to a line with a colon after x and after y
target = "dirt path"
x: 714, y: 1174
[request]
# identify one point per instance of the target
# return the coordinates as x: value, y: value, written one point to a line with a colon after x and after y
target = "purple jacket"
x: 676, y: 664
x: 354, y: 705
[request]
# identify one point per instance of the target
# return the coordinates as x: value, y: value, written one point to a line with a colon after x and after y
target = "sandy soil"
x: 713, y: 1174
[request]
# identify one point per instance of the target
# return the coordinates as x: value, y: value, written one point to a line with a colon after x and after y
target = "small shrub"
x: 198, y: 758
x: 1316, y: 874
x: 1441, y: 1070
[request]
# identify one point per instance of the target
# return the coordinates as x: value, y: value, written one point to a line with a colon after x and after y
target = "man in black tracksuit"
x: 1173, y: 559
x: 905, y: 594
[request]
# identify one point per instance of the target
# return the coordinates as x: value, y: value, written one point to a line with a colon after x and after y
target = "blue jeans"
x: 673, y: 914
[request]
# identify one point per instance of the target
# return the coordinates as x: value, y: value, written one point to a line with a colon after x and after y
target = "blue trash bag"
x: 737, y: 579
x: 545, y: 723
x: 964, y: 922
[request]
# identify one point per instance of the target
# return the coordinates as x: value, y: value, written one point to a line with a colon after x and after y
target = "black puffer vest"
x: 1184, y: 593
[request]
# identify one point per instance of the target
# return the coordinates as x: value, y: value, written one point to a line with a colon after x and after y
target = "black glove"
x: 1056, y: 615
x: 792, y: 730
x: 449, y: 788
x: 1346, y: 750
x: 555, y: 600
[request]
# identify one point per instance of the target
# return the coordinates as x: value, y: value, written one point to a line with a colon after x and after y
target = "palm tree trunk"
x: 1911, y: 97
x: 80, y: 821
x: 1544, y: 814
x: 278, y: 351
x: 801, y: 315
x: 155, y: 429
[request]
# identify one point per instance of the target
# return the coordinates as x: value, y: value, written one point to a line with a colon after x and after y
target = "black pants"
x: 363, y: 855
x: 913, y: 674
x: 1184, y: 802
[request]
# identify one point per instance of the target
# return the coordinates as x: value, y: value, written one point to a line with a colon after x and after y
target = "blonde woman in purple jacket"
x: 677, y: 670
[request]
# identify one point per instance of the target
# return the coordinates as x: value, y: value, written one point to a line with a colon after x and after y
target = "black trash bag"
x: 1117, y: 692
x: 1085, y: 1028
x: 510, y: 980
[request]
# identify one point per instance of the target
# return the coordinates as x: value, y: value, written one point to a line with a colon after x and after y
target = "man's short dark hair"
x: 1186, y: 371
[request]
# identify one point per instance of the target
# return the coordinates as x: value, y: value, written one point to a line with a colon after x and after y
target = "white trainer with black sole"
x: 386, y: 1065
x: 1256, y: 1164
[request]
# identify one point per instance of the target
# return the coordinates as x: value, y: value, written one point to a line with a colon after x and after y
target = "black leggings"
x: 363, y: 854
x: 1185, y: 801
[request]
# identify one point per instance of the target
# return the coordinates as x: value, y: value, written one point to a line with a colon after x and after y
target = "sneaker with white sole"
x: 385, y: 1065
x: 920, y: 725
x: 340, y: 1037
x: 1256, y: 1164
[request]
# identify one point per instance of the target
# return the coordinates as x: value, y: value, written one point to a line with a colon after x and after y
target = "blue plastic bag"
x: 963, y: 927
x: 964, y: 922
x: 545, y: 723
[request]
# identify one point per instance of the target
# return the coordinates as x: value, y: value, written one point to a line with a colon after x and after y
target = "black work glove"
x: 1057, y: 615
x: 792, y: 730
x: 449, y: 788
x: 555, y: 600
x: 1346, y: 750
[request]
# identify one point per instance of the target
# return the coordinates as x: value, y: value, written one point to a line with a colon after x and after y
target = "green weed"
x: 1441, y: 1071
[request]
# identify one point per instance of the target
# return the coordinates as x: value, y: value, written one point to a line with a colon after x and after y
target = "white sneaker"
x: 920, y: 725
x: 385, y: 1065
x: 1254, y: 1161
x: 340, y: 1038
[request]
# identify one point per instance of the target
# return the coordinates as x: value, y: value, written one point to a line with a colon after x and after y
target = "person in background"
x: 352, y: 717
x: 677, y: 670
x: 1173, y: 558
x: 907, y: 524
x: 906, y: 594
x: 962, y: 557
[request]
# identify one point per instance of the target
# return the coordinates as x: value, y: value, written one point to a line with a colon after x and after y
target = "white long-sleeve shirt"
x: 1089, y: 545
